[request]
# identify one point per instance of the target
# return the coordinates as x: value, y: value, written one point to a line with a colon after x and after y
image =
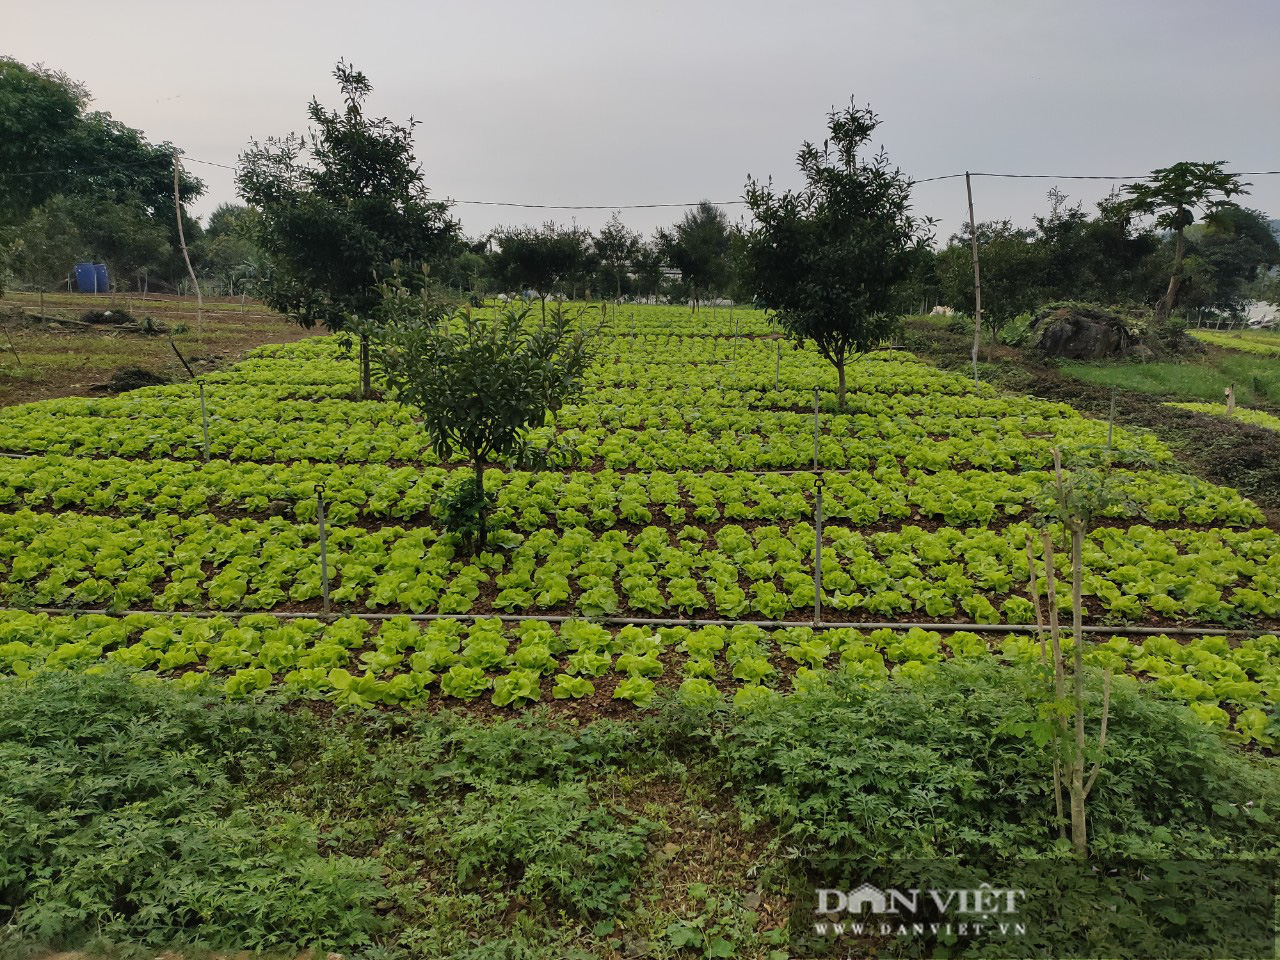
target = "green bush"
x: 551, y: 844
x: 121, y: 819
x: 945, y: 767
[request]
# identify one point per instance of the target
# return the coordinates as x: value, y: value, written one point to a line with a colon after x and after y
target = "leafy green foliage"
x: 123, y: 816
x: 1172, y: 196
x: 827, y: 258
x: 479, y: 384
x: 698, y: 246
x: 338, y: 209
x: 1013, y: 272
x: 939, y: 768
x: 552, y: 842
x: 543, y: 259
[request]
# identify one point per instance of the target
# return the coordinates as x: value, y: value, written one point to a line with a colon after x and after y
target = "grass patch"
x: 1256, y: 379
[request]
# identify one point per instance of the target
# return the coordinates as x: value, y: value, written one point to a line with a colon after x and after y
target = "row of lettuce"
x: 601, y: 500
x: 1134, y: 573
x: 400, y: 662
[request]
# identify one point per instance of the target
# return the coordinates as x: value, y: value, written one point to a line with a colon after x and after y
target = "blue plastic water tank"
x: 86, y: 278
x: 104, y: 285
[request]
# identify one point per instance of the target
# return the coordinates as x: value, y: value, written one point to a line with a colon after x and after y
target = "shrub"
x: 550, y: 841
x: 121, y: 817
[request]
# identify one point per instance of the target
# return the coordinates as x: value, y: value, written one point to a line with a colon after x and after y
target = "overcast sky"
x: 613, y: 102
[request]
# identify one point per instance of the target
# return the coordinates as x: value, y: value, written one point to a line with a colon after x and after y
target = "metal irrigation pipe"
x: 653, y: 621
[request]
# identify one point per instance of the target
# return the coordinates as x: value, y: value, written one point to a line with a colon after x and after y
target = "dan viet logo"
x: 917, y: 912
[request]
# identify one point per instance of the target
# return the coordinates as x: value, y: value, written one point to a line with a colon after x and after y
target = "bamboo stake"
x: 977, y: 282
x: 324, y: 557
x: 1034, y: 590
x: 1059, y: 680
x: 204, y: 422
x: 815, y: 428
x: 817, y: 556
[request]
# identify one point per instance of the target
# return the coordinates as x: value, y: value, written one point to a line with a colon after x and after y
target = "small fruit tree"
x: 480, y: 384
x: 828, y: 257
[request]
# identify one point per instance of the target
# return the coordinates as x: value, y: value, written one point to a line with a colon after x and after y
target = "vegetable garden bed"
x: 681, y: 486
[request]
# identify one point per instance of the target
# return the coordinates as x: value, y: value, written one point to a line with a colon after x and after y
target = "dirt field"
x: 61, y: 355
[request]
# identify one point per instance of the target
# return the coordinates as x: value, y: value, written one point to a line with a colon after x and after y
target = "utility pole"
x: 182, y: 242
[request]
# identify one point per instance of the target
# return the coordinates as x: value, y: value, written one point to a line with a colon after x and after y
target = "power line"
x: 155, y: 162
x: 639, y: 206
x: 209, y: 163
x: 594, y: 206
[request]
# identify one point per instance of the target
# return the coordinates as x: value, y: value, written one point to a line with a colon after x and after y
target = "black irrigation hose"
x: 660, y: 621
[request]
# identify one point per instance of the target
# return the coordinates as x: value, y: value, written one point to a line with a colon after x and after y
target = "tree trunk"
x: 42, y: 303
x: 482, y: 536
x: 366, y: 380
x: 543, y: 298
x: 1165, y: 305
x: 840, y: 389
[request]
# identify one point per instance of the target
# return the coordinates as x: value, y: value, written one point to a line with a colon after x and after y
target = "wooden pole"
x: 817, y: 556
x: 977, y: 282
x: 815, y: 428
x: 204, y: 422
x: 324, y: 553
x: 182, y: 242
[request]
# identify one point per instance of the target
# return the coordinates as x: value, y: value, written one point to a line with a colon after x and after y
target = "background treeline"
x: 1106, y: 256
x: 77, y: 184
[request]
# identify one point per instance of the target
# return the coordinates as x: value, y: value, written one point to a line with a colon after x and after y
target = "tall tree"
x: 123, y: 236
x: 699, y: 247
x: 827, y: 258
x: 339, y: 209
x: 1235, y: 245
x: 616, y: 246
x: 646, y: 263
x: 38, y: 118
x: 82, y: 155
x: 1173, y: 195
x: 1105, y: 258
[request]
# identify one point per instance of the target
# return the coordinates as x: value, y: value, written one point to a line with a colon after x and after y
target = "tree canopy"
x: 1172, y: 196
x: 340, y: 208
x: 544, y: 259
x: 1013, y: 272
x: 479, y: 384
x: 699, y: 246
x: 828, y: 258
x: 68, y: 161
